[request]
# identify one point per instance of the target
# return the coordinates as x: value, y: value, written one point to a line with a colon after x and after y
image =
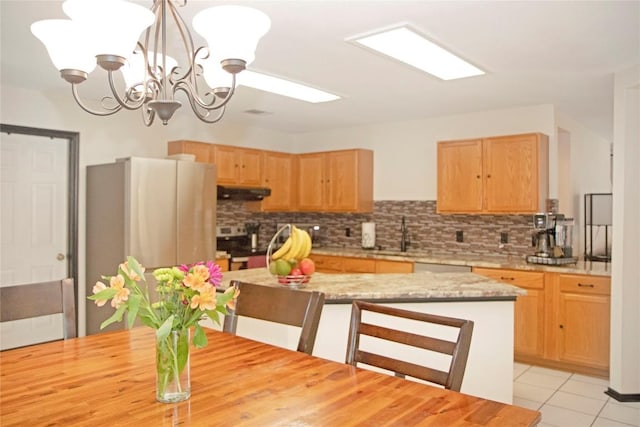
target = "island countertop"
x: 392, y: 287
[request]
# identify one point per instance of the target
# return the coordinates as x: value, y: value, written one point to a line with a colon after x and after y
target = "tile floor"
x: 570, y: 400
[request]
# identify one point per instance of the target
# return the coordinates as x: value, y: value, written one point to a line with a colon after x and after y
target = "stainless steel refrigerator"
x: 161, y: 211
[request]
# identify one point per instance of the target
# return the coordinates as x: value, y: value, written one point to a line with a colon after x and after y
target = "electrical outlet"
x: 459, y: 236
x: 504, y: 237
x: 347, y: 231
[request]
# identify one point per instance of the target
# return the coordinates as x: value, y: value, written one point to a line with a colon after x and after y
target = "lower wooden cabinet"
x: 581, y: 319
x: 563, y: 321
x: 529, y: 309
x: 223, y: 263
x: 340, y: 264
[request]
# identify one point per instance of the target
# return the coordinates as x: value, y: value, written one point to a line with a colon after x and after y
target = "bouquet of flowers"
x: 186, y: 295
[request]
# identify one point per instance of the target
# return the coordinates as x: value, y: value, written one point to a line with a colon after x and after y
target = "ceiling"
x: 535, y: 52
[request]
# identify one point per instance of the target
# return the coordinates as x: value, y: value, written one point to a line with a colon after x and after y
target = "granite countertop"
x: 396, y: 287
x: 488, y: 261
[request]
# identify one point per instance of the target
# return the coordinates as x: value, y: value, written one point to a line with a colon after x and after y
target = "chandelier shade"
x: 232, y: 32
x: 108, y: 33
x: 98, y: 19
x: 67, y: 47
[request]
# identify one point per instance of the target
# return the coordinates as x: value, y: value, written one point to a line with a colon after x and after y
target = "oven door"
x: 248, y: 261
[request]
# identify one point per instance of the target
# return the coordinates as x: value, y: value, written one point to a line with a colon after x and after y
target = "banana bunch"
x: 296, y: 247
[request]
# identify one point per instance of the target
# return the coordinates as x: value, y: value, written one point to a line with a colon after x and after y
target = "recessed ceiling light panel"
x: 411, y: 48
x: 284, y: 87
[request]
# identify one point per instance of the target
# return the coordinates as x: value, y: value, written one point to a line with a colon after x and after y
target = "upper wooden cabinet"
x: 336, y: 181
x: 238, y: 166
x: 202, y: 150
x: 279, y: 175
x: 499, y: 175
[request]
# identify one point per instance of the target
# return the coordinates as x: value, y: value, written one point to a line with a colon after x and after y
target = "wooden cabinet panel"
x: 279, y: 173
x: 223, y: 263
x: 504, y: 175
x: 584, y: 329
x: 340, y: 264
x: 336, y: 181
x: 311, y: 182
x: 238, y: 166
x: 529, y: 312
x: 201, y: 150
x: 460, y: 167
x: 384, y: 266
x: 513, y: 175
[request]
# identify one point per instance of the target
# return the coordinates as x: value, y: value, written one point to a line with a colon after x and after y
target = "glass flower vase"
x: 173, y: 382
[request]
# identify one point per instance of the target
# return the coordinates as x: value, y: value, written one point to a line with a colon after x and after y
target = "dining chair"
x: 458, y: 349
x: 280, y: 305
x: 40, y: 299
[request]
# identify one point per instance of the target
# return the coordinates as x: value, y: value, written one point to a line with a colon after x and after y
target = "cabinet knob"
x: 561, y: 326
x: 507, y: 278
x: 478, y: 176
x: 489, y: 175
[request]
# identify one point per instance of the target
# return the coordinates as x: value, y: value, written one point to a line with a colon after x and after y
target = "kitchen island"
x: 487, y: 302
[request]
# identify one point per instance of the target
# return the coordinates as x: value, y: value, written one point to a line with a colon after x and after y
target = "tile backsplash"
x: 428, y: 230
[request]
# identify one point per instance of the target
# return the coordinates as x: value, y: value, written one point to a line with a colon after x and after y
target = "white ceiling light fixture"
x: 284, y: 87
x: 106, y: 32
x: 411, y: 48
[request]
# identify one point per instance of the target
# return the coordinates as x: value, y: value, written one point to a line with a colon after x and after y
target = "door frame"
x: 73, y: 178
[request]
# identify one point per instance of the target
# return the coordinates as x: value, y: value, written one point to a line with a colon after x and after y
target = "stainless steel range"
x: 234, y: 240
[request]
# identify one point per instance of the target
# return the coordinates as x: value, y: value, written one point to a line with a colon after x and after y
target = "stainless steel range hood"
x: 229, y: 192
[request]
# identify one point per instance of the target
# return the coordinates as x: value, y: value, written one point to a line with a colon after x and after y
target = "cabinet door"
x: 359, y: 265
x: 250, y: 167
x: 200, y: 149
x: 512, y: 182
x: 341, y: 184
x: 529, y: 309
x: 328, y: 263
x: 227, y: 164
x: 311, y: 185
x: 460, y: 176
x: 278, y: 176
x: 583, y: 320
x: 384, y: 266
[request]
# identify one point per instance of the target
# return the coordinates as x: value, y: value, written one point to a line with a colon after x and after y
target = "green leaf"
x: 115, y: 317
x: 148, y: 321
x: 134, y: 305
x: 107, y: 293
x: 135, y: 266
x: 224, y: 298
x: 213, y: 315
x: 199, y: 337
x: 164, y: 329
x: 183, y: 349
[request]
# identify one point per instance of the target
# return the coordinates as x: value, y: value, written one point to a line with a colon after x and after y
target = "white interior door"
x: 33, y: 217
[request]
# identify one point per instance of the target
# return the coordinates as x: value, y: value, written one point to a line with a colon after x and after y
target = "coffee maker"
x: 252, y: 231
x: 552, y: 236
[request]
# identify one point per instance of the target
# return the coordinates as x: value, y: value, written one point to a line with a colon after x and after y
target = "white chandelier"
x: 106, y: 32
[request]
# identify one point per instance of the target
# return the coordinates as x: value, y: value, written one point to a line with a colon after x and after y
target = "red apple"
x: 295, y: 272
x: 307, y: 266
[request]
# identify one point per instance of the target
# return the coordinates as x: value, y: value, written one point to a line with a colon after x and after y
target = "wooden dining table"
x: 109, y: 380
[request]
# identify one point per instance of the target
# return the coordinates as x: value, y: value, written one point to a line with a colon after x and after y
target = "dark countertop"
x: 488, y: 261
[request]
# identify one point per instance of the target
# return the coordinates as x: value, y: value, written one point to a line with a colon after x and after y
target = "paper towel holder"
x: 368, y: 235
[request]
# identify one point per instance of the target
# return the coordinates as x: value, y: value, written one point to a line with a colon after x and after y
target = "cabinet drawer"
x: 525, y: 279
x: 328, y: 263
x: 359, y: 265
x: 585, y: 284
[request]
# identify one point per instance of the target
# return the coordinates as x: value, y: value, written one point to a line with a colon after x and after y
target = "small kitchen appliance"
x: 234, y: 240
x: 252, y: 231
x: 368, y: 235
x: 552, y: 237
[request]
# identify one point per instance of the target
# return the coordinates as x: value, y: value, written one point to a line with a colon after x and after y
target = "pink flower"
x: 215, y: 274
x: 122, y: 294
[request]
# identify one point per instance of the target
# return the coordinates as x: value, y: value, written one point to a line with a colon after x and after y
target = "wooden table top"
x: 109, y: 379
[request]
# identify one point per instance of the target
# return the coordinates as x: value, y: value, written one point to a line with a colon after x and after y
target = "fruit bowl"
x: 282, y: 262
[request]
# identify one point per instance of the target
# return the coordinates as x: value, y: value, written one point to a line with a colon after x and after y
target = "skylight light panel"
x: 284, y: 87
x: 411, y: 48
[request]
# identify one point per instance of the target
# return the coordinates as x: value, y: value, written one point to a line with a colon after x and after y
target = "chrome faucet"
x: 404, y: 240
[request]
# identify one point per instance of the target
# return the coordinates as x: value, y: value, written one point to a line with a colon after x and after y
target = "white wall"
x: 405, y: 152
x: 625, y: 272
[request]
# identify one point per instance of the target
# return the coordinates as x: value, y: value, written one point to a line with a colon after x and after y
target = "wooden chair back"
x: 40, y: 299
x: 281, y: 305
x: 458, y: 350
